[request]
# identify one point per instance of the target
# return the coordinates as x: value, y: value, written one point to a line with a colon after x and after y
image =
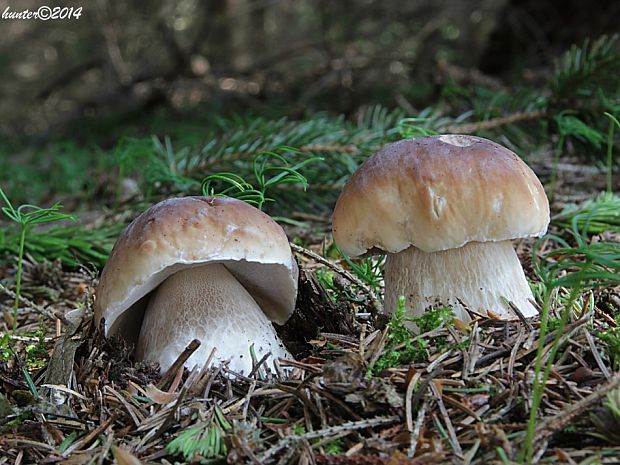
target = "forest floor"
x: 361, y: 390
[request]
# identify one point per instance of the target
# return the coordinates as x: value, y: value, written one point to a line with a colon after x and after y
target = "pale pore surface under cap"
x: 477, y: 274
x: 206, y: 303
x: 190, y: 231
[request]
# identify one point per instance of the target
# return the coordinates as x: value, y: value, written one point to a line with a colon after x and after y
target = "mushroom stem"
x: 206, y: 303
x: 477, y: 275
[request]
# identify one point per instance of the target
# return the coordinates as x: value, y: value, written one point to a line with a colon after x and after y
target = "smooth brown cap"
x: 438, y: 193
x: 191, y: 231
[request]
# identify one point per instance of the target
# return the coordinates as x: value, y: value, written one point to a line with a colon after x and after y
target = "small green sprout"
x: 36, y: 357
x: 326, y: 279
x: 299, y: 429
x: 271, y: 169
x: 415, y: 127
x: 334, y: 447
x: 206, y: 440
x: 369, y: 269
x: 36, y: 354
x: 27, y: 216
x: 594, y: 216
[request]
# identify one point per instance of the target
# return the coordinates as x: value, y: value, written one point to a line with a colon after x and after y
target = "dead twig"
x: 519, y: 117
x: 562, y: 419
x: 351, y: 426
x: 178, y: 363
x: 415, y: 433
x: 51, y: 314
x: 374, y: 301
x: 90, y: 436
x: 446, y: 419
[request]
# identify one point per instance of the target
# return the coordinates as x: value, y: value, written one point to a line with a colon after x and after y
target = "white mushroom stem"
x: 206, y: 303
x: 479, y: 274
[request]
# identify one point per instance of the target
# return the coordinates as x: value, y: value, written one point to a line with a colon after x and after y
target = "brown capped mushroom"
x: 211, y: 268
x: 444, y: 209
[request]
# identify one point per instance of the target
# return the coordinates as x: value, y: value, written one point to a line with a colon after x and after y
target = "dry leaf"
x: 461, y: 325
x: 158, y: 396
x: 123, y: 457
x: 439, y: 385
x: 493, y: 316
x: 79, y: 458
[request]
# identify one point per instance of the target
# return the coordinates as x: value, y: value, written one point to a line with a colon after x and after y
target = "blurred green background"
x: 142, y: 100
x: 123, y: 62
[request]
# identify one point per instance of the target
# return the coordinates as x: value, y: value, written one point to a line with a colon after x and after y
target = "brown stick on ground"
x: 376, y: 304
x: 559, y: 421
x: 180, y: 361
x: 493, y: 123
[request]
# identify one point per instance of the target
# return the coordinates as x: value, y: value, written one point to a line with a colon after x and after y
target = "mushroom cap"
x: 438, y: 193
x: 192, y: 231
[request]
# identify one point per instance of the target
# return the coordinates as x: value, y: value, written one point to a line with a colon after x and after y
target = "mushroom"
x: 208, y: 268
x: 444, y: 209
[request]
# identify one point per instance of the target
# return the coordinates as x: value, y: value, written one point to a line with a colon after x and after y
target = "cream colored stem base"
x: 206, y: 303
x: 478, y: 274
